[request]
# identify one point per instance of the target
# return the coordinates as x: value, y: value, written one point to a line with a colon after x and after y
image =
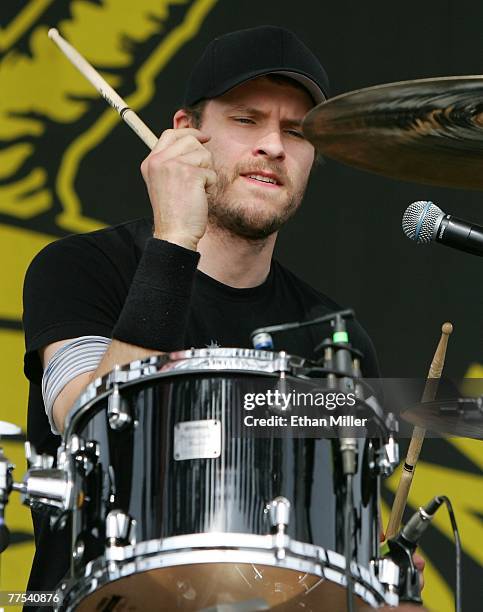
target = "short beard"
x: 235, y: 220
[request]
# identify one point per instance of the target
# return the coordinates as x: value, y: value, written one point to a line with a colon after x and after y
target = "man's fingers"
x: 419, y: 562
x: 210, y: 178
x: 199, y: 158
x: 169, y: 137
x: 179, y: 148
x: 206, y: 174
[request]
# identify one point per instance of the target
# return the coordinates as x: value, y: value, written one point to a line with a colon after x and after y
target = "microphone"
x: 417, y: 524
x: 425, y: 222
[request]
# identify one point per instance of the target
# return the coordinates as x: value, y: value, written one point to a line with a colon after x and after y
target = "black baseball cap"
x: 236, y: 57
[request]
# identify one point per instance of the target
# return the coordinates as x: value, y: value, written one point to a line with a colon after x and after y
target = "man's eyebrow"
x: 249, y: 110
x: 256, y: 112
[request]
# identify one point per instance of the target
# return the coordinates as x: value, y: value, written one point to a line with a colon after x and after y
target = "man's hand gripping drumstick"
x: 178, y: 172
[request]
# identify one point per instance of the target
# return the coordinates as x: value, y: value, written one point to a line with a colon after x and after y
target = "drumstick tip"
x: 447, y: 328
x: 52, y: 33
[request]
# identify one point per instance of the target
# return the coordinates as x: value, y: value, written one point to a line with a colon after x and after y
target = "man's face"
x: 261, y: 158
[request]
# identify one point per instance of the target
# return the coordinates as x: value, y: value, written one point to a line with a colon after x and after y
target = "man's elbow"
x: 67, y: 398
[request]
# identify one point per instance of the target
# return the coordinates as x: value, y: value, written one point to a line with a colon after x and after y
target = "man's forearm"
x: 154, y: 314
x: 118, y: 353
x: 121, y: 353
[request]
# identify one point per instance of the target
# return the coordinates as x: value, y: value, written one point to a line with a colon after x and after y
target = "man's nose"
x: 271, y: 145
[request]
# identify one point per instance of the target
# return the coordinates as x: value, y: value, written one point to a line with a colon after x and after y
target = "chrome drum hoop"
x: 206, y: 548
x: 192, y: 361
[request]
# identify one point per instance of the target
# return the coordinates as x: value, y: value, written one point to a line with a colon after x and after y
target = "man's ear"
x: 181, y: 119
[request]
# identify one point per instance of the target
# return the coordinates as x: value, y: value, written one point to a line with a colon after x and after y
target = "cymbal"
x: 427, y: 131
x: 9, y: 429
x: 458, y: 417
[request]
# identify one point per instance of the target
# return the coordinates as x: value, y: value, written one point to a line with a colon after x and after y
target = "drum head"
x: 234, y: 587
x: 244, y: 578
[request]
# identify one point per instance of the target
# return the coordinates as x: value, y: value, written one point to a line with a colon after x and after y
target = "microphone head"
x: 421, y: 220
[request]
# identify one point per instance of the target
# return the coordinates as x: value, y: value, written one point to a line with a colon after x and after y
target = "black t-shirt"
x: 77, y: 286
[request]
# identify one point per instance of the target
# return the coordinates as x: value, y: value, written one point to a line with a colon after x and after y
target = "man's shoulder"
x: 129, y: 234
x: 116, y: 244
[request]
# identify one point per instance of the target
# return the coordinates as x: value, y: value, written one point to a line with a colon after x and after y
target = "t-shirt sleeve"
x: 71, y: 289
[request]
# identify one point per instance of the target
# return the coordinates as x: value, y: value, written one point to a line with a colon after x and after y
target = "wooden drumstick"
x: 106, y: 91
x: 417, y: 438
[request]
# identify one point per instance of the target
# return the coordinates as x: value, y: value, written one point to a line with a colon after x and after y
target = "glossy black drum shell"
x: 138, y: 474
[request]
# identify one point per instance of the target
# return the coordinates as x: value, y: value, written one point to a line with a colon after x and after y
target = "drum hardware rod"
x: 343, y: 361
x: 328, y: 342
x: 106, y: 91
x: 329, y: 365
x: 348, y: 313
x: 348, y: 520
x: 356, y: 368
x: 417, y: 438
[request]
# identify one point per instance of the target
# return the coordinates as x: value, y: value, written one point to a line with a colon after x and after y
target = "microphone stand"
x: 402, y: 546
x: 338, y: 357
x: 401, y: 552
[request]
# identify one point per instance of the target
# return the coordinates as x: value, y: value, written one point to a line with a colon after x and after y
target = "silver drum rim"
x: 205, y: 548
x: 194, y: 361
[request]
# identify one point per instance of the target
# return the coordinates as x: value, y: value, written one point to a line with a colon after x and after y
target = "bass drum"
x: 179, y: 502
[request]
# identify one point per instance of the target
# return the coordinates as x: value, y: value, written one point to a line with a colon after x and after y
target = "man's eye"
x: 295, y: 133
x: 244, y: 120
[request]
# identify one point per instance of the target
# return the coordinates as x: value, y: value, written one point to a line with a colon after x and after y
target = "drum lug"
x: 117, y: 413
x: 86, y: 456
x: 388, y: 574
x: 279, y: 514
x: 120, y: 529
x: 388, y: 457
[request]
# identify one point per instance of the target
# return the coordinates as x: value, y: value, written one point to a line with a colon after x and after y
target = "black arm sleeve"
x: 155, y: 314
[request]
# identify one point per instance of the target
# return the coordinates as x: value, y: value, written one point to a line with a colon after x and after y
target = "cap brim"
x: 310, y: 85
